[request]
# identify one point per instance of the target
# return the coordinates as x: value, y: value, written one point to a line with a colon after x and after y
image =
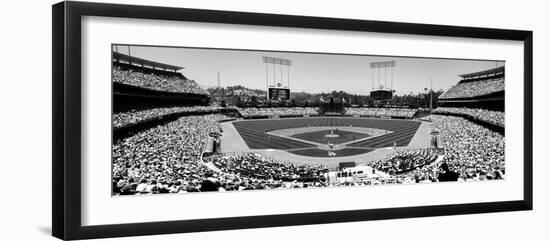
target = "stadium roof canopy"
x: 484, y: 72
x: 117, y: 57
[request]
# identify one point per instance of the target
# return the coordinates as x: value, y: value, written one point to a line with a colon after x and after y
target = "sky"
x: 311, y: 72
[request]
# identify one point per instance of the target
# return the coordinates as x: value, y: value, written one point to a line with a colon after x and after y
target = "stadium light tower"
x: 431, y: 94
x: 277, y: 90
x: 382, y: 92
x: 219, y: 90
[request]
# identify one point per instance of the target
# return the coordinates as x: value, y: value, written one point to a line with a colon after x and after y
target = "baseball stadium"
x: 174, y: 133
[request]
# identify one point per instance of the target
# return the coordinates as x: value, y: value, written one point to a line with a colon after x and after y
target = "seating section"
x: 474, y: 88
x: 254, y: 165
x: 281, y: 111
x: 405, y: 161
x: 382, y: 112
x: 168, y: 82
x: 473, y: 151
x: 493, y: 117
x: 165, y: 158
x: 124, y: 119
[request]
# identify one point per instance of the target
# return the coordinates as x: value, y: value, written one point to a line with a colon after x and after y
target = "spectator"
x: 280, y: 111
x: 164, y: 154
x: 493, y: 117
x: 382, y: 112
x: 474, y: 88
x: 156, y: 80
x: 132, y: 117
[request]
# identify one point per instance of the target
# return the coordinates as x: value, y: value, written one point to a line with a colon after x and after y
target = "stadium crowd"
x: 169, y: 82
x: 494, y: 117
x: 255, y: 165
x: 474, y: 88
x: 123, y: 119
x: 472, y: 151
x: 405, y: 161
x: 382, y: 112
x: 165, y: 158
x: 280, y: 111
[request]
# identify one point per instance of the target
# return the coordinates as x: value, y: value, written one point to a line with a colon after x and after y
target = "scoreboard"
x: 381, y: 94
x: 278, y: 94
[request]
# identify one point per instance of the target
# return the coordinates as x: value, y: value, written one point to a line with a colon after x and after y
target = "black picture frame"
x: 66, y: 122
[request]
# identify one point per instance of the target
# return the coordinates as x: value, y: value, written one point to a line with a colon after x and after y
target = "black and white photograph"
x: 190, y: 120
x: 275, y: 120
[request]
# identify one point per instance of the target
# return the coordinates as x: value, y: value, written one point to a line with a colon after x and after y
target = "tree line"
x: 244, y: 97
